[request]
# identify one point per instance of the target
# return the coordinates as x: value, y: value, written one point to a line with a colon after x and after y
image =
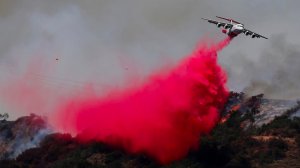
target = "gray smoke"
x: 277, y: 72
x: 22, y: 134
x: 20, y: 144
x: 105, y: 41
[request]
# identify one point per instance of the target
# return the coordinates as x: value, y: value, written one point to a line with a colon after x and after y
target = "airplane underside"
x: 230, y: 33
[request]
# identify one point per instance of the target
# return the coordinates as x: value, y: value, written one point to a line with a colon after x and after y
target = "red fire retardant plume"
x: 164, y: 117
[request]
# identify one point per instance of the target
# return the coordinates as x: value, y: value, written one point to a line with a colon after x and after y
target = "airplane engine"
x: 219, y: 25
x: 247, y: 33
x: 253, y: 36
x: 227, y: 26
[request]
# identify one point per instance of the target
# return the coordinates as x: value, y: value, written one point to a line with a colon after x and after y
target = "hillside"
x: 253, y: 132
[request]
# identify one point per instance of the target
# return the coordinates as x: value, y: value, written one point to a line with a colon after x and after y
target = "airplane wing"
x: 219, y: 24
x: 248, y: 32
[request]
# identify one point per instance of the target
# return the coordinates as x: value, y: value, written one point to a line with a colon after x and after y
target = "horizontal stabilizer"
x: 230, y: 20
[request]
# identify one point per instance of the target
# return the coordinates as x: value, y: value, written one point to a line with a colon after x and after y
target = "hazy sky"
x: 99, y: 40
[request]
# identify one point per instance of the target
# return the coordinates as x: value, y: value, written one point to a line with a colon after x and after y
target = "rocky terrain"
x: 253, y: 132
x: 20, y: 135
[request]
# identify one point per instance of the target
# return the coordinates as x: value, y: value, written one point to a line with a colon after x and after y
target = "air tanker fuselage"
x: 234, y: 30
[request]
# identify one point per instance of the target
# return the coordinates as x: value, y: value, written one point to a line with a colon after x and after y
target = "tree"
x: 4, y: 116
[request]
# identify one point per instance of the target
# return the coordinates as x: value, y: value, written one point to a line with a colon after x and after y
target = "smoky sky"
x: 103, y: 41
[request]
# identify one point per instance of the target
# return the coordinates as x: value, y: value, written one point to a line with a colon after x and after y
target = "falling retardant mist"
x: 164, y: 117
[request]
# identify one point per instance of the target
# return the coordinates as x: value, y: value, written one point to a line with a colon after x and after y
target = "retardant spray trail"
x: 163, y: 118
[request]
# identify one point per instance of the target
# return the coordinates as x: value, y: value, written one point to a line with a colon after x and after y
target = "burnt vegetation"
x: 236, y: 142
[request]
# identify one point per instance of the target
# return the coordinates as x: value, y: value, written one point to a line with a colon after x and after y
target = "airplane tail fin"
x: 230, y: 20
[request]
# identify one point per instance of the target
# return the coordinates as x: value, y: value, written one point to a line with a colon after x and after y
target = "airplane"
x: 234, y: 28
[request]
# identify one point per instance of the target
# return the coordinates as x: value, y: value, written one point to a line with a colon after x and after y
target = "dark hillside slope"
x: 237, y: 141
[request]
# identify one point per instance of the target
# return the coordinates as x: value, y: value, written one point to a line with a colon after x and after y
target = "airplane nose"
x: 240, y: 29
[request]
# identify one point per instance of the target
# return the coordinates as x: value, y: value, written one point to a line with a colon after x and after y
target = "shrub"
x: 278, y: 144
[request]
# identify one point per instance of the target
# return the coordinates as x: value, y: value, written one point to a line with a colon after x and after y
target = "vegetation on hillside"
x: 233, y: 143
